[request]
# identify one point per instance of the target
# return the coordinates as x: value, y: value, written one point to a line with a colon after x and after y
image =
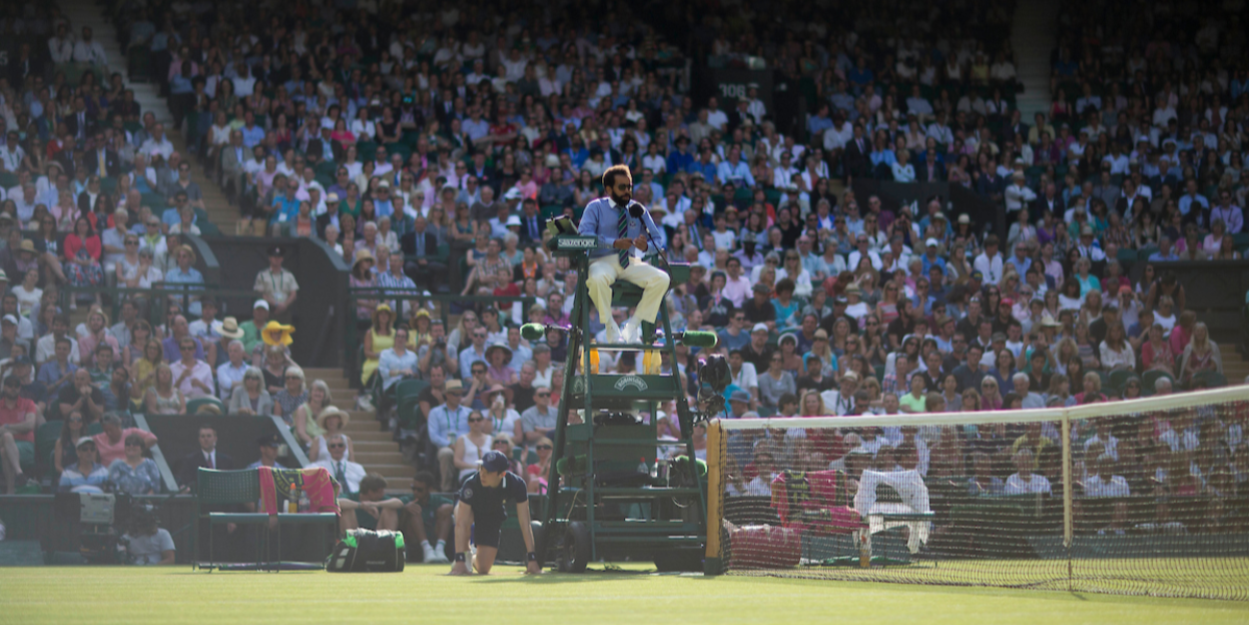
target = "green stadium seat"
x: 1208, y: 379
x: 194, y: 405
x: 407, y: 392
x: 1118, y: 378
x: 45, y: 444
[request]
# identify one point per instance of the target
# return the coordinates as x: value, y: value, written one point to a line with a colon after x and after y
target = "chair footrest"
x: 247, y: 518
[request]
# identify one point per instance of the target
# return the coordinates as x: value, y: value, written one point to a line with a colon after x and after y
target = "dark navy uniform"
x: 490, y: 505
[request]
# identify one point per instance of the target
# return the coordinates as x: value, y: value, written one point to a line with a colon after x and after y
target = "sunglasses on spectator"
x: 543, y: 447
x: 498, y: 443
x: 474, y: 419
x: 336, y: 446
x: 187, y: 348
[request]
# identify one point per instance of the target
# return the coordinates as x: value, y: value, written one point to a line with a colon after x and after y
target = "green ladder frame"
x: 591, y: 392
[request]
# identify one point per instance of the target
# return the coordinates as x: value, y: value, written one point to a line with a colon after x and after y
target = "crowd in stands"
x: 413, y: 141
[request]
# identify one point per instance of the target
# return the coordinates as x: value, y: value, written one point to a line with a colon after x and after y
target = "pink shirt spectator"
x: 110, y: 451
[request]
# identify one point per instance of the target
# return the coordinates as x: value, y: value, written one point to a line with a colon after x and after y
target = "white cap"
x: 759, y: 327
x: 10, y: 319
x: 260, y: 303
x: 931, y: 242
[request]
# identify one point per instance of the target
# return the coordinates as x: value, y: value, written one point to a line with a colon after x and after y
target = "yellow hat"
x: 277, y: 334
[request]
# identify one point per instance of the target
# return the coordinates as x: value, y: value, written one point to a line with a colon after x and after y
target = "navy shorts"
x: 486, y: 532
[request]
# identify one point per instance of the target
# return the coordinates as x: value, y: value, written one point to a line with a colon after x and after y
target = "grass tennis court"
x: 1217, y: 578
x: 138, y: 596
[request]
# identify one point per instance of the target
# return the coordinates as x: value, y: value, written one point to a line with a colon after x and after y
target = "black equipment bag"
x: 368, y: 551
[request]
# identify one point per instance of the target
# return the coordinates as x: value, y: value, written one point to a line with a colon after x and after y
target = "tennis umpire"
x: 482, y: 507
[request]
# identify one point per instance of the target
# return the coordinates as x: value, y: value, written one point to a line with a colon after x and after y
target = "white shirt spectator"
x: 836, y: 139
x: 1017, y: 485
x: 90, y: 52
x: 1109, y: 445
x: 1017, y: 196
x: 351, y: 471
x: 991, y: 268
x: 1095, y: 486
x: 746, y: 377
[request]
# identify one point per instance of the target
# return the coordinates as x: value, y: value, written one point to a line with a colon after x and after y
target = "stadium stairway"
x: 374, y: 446
x: 1032, y: 39
x: 89, y: 13
x: 147, y: 94
x: 1235, y: 366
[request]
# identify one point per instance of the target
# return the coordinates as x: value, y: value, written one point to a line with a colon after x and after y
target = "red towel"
x: 316, y: 482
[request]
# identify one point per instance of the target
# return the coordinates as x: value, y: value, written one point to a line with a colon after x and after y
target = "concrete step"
x: 372, y: 436
x: 380, y: 458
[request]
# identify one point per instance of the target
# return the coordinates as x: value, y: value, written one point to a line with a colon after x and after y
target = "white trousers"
x: 606, y: 270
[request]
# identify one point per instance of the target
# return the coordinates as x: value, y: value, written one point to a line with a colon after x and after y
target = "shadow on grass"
x: 551, y: 577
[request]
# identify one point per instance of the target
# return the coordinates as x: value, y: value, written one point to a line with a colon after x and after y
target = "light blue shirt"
x: 446, y: 425
x: 467, y: 357
x: 600, y: 220
x: 738, y: 174
x: 390, y: 361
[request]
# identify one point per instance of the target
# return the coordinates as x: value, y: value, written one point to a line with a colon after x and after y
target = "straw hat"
x: 494, y: 346
x: 276, y: 333
x: 331, y: 411
x: 362, y: 255
x: 230, y: 328
x: 27, y: 246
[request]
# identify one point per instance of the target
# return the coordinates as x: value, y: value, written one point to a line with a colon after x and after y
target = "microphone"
x: 636, y: 210
x: 533, y: 331
x: 696, y: 339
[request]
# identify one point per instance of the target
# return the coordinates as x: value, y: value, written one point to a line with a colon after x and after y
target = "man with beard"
x: 609, y: 220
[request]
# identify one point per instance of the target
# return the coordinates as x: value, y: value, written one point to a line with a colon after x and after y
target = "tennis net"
x: 1140, y: 497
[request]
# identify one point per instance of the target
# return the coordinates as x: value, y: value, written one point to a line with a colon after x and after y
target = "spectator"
x: 1202, y: 354
x: 446, y: 423
x: 17, y: 431
x: 81, y: 395
x: 379, y: 338
x: 1024, y: 481
x: 250, y: 397
x: 277, y: 286
x: 328, y: 422
x: 192, y: 376
x: 111, y: 443
x: 206, y: 457
x: 135, y: 474
x: 398, y: 362
x: 87, y: 475
x: 146, y: 543
x: 163, y: 396
x: 368, y: 507
x: 230, y: 374
x: 472, y: 446
x: 293, y: 394
x: 252, y: 327
x: 539, y: 420
x: 427, y: 515
x: 348, y: 474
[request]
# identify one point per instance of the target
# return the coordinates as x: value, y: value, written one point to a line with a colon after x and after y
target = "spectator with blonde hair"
x: 163, y: 396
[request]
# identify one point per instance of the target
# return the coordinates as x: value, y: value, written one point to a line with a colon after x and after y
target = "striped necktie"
x: 622, y: 231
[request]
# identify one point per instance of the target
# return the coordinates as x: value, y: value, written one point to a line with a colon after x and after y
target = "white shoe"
x: 428, y: 555
x: 438, y: 557
x: 630, y: 333
x: 612, y: 333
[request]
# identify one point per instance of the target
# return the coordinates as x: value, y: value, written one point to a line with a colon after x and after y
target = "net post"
x: 713, y: 563
x: 1066, y: 444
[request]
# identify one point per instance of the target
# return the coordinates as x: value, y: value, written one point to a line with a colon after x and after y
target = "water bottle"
x: 642, y: 467
x: 292, y: 502
x: 304, y: 503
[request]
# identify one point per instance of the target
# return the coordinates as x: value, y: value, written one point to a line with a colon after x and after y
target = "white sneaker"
x: 612, y: 333
x: 630, y: 333
x: 428, y: 555
x: 438, y: 556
